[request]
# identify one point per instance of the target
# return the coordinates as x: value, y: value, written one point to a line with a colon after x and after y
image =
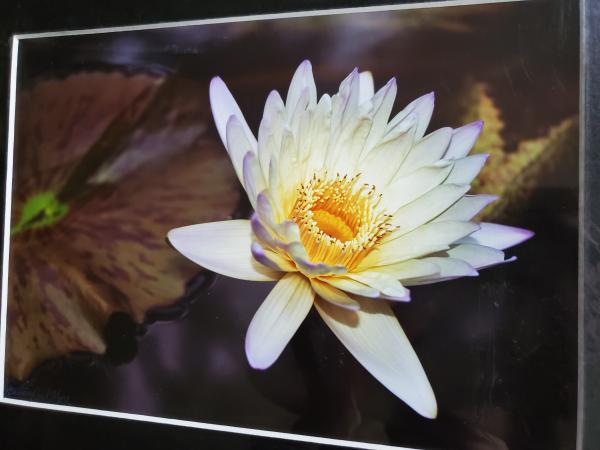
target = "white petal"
x: 320, y: 136
x: 498, y: 236
x: 383, y: 101
x: 270, y: 130
x: 406, y: 270
x: 288, y: 169
x: 350, y: 149
x: 367, y: 87
x: 429, y: 238
x: 223, y: 106
x: 344, y: 104
x: 381, y: 163
x: 422, y: 108
x: 276, y: 189
x: 289, y: 230
x: 404, y: 190
x: 237, y: 145
x: 277, y: 319
x: 223, y: 247
x: 426, y: 151
x: 463, y: 139
x: 426, y: 207
x: 375, y: 338
x: 272, y: 259
x: 351, y: 286
x: 264, y: 209
x: 333, y: 295
x: 466, y: 208
x: 303, y: 78
x: 450, y: 268
x: 254, y: 181
x: 297, y: 253
x: 466, y: 169
x: 263, y: 233
x: 296, y: 115
x: 389, y: 287
x: 478, y: 256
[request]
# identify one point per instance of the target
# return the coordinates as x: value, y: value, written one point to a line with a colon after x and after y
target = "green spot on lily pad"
x: 41, y: 210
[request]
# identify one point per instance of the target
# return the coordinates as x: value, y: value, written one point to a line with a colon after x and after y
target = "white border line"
x: 8, y: 198
x: 207, y: 426
x: 7, y: 206
x: 287, y: 15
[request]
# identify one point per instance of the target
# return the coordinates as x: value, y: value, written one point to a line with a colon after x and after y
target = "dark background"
x: 59, y: 430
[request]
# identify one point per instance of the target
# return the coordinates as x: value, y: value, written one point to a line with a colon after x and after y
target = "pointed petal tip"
x: 499, y: 236
x: 256, y: 362
x: 427, y: 406
x: 273, y: 95
x: 305, y: 64
x: 173, y: 238
x: 248, y: 156
x: 529, y: 233
x: 392, y: 295
x: 349, y: 306
x: 232, y: 119
x: 489, y: 197
x: 403, y: 299
x: 523, y: 233
x: 216, y: 81
x: 475, y: 127
x: 431, y: 413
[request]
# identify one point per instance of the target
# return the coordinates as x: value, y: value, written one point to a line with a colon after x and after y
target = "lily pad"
x: 105, y: 164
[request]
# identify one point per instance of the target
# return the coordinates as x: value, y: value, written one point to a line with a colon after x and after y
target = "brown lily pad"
x: 105, y: 164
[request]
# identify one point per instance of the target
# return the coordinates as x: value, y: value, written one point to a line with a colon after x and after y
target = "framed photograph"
x: 356, y: 227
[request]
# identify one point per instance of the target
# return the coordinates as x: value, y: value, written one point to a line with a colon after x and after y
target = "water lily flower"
x: 350, y: 209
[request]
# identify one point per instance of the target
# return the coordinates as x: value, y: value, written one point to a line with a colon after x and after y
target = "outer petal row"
x: 277, y: 320
x: 223, y: 107
x: 223, y: 247
x: 376, y: 339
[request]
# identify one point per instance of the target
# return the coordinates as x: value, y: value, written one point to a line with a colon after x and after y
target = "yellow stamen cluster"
x: 340, y: 220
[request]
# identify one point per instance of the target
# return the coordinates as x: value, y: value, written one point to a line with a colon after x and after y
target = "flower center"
x: 340, y: 219
x: 333, y: 225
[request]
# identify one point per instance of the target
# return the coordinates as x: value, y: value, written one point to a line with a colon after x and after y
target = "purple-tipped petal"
x: 223, y: 106
x: 466, y: 169
x: 271, y: 259
x: 237, y: 145
x: 498, y: 236
x: 254, y: 181
x: 463, y: 139
x: 301, y: 81
x: 424, y: 110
